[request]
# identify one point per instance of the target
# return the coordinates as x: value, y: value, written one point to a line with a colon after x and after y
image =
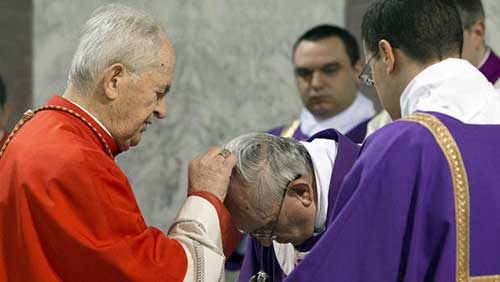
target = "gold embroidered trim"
x: 29, y: 114
x: 289, y: 131
x: 492, y: 278
x: 460, y: 188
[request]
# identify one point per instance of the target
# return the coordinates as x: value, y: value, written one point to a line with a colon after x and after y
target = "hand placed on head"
x: 210, y: 172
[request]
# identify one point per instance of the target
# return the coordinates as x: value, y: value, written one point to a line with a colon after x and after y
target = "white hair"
x: 269, y: 163
x: 114, y: 34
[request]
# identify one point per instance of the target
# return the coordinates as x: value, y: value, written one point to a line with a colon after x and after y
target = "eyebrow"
x: 328, y: 64
x: 166, y: 87
x: 331, y: 64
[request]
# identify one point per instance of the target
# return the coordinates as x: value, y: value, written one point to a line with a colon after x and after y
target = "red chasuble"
x: 68, y: 213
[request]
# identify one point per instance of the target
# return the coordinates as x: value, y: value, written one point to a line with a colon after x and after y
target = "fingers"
x: 213, y: 151
x: 230, y: 161
x: 211, y: 172
x: 222, y: 154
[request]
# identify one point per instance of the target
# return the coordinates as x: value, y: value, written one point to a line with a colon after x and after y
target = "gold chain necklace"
x: 29, y: 114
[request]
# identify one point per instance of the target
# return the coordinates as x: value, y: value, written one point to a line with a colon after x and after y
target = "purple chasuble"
x: 491, y: 68
x: 258, y: 258
x: 356, y: 134
x: 297, y: 135
x: 394, y: 219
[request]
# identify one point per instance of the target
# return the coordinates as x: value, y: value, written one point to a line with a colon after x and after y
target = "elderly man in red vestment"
x: 67, y: 211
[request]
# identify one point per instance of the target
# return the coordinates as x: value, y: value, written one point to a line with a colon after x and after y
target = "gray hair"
x: 470, y: 11
x: 269, y: 163
x: 114, y: 34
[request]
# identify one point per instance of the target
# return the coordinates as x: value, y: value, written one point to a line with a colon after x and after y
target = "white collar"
x: 360, y: 110
x: 323, y: 153
x: 91, y: 115
x: 485, y: 58
x: 455, y: 88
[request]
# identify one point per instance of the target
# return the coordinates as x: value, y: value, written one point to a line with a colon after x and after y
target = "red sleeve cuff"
x: 229, y: 233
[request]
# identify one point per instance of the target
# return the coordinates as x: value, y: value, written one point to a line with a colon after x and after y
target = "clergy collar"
x: 455, y: 88
x: 323, y: 153
x: 360, y: 110
x: 61, y: 101
x: 485, y: 58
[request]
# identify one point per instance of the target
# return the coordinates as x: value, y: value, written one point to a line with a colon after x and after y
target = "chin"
x: 324, y: 114
x: 123, y: 147
x: 294, y: 241
x: 129, y: 143
x: 135, y: 140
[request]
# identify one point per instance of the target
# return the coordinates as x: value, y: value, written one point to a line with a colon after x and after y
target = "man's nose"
x: 317, y: 80
x: 161, y: 108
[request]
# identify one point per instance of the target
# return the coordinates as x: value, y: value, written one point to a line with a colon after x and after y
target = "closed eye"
x: 162, y: 93
x: 303, y: 72
x: 330, y: 68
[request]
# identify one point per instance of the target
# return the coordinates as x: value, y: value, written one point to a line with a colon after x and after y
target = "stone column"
x: 16, y: 55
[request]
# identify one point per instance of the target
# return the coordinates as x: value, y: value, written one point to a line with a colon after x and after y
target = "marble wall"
x: 233, y: 76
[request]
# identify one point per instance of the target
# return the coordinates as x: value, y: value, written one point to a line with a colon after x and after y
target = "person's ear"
x: 386, y: 51
x: 358, y: 67
x: 114, y: 77
x: 479, y: 32
x: 302, y: 189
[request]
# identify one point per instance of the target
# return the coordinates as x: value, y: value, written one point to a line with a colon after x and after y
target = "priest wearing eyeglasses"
x: 282, y: 193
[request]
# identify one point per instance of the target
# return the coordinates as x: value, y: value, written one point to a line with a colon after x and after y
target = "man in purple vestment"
x: 421, y: 201
x: 282, y: 194
x: 475, y: 50
x: 327, y: 63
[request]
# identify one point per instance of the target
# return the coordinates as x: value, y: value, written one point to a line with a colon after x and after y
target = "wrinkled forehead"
x: 167, y: 55
x: 249, y: 209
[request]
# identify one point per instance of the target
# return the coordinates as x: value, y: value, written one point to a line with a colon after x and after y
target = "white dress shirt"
x: 360, y: 110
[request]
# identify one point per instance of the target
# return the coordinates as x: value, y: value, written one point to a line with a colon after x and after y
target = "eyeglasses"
x: 366, y: 72
x: 263, y: 235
